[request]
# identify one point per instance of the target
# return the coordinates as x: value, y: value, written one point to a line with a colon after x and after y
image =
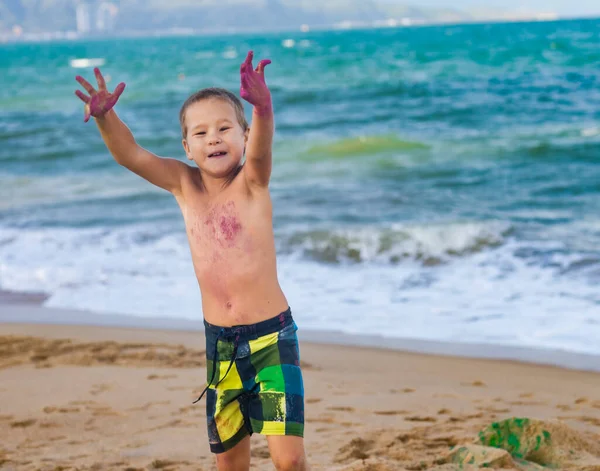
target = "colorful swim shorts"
x: 254, y: 381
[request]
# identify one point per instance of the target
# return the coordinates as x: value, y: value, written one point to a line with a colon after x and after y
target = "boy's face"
x: 215, y: 139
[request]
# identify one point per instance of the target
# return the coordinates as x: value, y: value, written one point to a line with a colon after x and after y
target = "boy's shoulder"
x: 190, y: 176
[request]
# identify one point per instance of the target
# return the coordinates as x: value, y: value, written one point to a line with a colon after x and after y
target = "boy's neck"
x: 213, y: 186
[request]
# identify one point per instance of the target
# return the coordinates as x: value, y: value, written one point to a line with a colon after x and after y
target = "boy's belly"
x: 234, y: 261
x: 240, y: 289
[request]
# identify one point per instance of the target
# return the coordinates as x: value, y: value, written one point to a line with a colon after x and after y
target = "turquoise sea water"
x: 438, y: 182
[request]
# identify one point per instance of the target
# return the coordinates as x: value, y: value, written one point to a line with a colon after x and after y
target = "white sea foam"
x: 229, y: 53
x: 431, y: 243
x: 491, y: 295
x: 589, y: 132
x: 85, y: 62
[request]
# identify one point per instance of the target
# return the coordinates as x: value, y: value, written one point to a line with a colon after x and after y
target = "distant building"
x: 95, y: 16
x: 106, y: 13
x: 83, y: 17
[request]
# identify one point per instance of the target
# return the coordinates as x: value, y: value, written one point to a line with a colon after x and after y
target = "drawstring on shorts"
x: 215, y: 360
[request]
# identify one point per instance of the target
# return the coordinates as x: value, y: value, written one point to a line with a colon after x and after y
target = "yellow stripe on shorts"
x: 263, y: 342
x: 229, y: 420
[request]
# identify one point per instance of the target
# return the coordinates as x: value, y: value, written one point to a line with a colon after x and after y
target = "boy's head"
x: 214, y: 130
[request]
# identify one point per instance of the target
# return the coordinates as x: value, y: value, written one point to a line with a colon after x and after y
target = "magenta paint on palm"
x: 253, y: 87
x: 100, y: 101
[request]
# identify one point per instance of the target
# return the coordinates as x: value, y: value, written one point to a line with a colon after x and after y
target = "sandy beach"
x: 82, y: 397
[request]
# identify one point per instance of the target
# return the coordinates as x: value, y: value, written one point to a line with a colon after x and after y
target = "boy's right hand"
x: 100, y: 101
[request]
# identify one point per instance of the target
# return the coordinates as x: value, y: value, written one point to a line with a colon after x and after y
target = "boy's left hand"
x: 254, y: 89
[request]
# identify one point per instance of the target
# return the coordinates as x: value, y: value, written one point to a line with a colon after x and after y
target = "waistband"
x: 251, y: 331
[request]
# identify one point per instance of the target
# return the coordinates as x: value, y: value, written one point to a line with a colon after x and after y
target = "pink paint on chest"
x: 230, y: 227
x: 223, y: 224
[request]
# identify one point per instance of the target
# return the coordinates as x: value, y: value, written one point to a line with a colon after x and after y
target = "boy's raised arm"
x: 260, y: 140
x: 164, y: 173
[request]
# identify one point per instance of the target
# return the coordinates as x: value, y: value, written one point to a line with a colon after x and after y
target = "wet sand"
x: 92, y: 397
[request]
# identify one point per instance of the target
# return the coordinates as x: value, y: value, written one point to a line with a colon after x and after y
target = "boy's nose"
x: 213, y: 140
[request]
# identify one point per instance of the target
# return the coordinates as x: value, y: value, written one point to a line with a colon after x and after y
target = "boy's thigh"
x: 287, y: 452
x: 276, y: 403
x: 225, y: 418
x: 235, y: 459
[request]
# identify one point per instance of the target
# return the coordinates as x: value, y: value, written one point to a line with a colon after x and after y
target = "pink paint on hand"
x: 100, y: 101
x: 253, y: 88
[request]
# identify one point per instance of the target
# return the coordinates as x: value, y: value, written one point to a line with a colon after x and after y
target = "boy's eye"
x: 200, y: 133
x: 224, y: 129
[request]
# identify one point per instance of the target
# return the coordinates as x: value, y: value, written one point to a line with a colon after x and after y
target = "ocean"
x: 432, y: 183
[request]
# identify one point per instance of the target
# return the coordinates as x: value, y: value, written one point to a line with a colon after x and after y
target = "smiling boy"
x: 253, y: 364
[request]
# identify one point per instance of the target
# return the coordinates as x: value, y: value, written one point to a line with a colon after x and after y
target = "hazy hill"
x: 150, y: 15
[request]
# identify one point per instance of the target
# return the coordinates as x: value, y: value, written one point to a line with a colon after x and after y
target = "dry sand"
x: 99, y: 398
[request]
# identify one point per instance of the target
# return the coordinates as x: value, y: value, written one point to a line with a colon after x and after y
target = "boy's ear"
x: 246, y: 134
x: 186, y: 147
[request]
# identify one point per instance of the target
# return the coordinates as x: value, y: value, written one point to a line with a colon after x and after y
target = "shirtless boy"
x: 253, y: 365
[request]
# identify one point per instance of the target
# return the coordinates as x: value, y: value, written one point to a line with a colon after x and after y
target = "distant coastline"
x: 49, y: 36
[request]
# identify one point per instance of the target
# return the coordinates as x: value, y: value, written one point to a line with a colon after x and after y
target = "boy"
x: 253, y: 366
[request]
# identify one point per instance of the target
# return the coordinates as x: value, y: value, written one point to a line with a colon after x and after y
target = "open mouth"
x: 217, y: 154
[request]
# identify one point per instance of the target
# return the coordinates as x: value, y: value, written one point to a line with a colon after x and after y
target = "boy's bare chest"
x: 219, y: 227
